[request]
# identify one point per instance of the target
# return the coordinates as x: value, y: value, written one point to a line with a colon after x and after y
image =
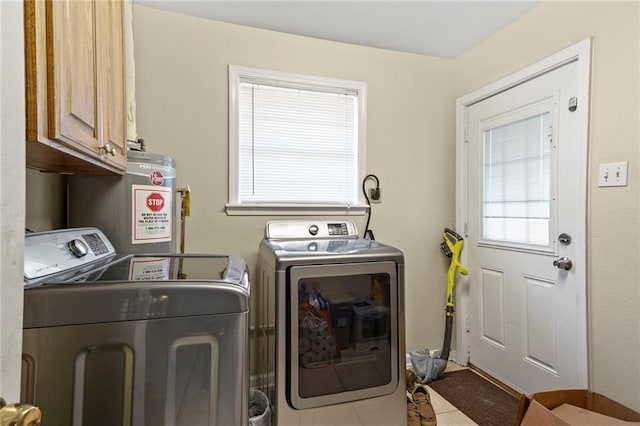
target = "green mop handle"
x: 455, y: 264
x: 454, y: 244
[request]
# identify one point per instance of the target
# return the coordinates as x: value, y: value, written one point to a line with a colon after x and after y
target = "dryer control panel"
x: 46, y: 253
x: 303, y: 229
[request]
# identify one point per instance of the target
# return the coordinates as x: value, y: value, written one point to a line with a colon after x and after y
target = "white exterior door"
x: 525, y: 218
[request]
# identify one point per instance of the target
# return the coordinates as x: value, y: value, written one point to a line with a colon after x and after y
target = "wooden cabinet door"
x: 75, y: 78
x: 74, y: 92
x: 111, y: 74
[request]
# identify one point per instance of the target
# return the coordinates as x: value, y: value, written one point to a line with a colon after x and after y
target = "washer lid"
x: 172, y: 267
x: 285, y: 253
x: 309, y: 247
x: 141, y: 288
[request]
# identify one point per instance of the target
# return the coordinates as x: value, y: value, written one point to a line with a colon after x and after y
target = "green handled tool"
x: 451, y: 247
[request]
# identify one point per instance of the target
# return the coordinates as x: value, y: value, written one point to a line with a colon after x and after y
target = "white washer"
x: 335, y: 304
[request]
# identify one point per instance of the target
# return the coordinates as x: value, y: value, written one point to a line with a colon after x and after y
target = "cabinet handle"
x: 108, y: 149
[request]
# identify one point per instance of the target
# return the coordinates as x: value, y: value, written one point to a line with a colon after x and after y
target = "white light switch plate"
x: 613, y: 174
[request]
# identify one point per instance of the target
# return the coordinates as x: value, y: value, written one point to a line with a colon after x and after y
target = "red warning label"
x: 155, y: 201
x: 151, y: 220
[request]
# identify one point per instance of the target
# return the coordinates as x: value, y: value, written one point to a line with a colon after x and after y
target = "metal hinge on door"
x: 466, y: 135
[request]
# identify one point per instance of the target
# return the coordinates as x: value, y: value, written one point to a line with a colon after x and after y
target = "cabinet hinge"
x: 466, y: 135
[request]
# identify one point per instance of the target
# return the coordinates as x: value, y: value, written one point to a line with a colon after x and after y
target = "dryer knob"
x: 313, y: 229
x: 78, y: 248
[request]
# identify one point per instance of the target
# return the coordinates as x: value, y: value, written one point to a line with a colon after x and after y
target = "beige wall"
x: 45, y: 201
x: 614, y: 213
x: 182, y: 98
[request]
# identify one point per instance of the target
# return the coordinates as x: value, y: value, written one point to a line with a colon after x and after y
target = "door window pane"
x: 517, y: 181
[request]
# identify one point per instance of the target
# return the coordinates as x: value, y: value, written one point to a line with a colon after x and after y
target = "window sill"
x: 295, y: 210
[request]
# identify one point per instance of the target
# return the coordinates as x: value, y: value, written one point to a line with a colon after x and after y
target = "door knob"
x: 563, y: 263
x: 19, y: 414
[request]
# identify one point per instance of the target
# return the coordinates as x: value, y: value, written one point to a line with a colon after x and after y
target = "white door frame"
x: 582, y: 53
x: 12, y: 193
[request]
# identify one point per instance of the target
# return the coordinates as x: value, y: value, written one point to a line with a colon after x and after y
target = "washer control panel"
x: 47, y: 253
x: 338, y: 229
x: 302, y: 229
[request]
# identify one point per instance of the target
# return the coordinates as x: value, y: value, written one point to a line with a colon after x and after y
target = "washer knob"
x: 78, y: 247
x: 313, y: 229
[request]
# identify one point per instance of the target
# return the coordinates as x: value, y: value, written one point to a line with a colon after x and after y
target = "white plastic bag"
x: 426, y: 365
x: 259, y: 409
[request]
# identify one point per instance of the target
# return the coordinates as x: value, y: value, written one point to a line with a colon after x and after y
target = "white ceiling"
x: 435, y: 28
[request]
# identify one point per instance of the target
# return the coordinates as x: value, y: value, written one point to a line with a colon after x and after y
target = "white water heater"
x: 136, y: 211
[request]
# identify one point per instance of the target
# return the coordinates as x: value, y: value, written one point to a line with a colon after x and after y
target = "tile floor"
x: 370, y: 413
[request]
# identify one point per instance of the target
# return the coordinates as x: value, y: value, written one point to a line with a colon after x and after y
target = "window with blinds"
x: 517, y: 181
x: 296, y: 142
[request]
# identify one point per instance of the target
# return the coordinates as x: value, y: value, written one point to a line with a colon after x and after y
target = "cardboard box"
x: 577, y: 407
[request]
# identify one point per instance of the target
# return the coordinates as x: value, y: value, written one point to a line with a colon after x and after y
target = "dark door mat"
x: 480, y: 400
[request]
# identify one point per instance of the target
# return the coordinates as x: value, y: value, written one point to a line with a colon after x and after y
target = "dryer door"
x: 343, y: 344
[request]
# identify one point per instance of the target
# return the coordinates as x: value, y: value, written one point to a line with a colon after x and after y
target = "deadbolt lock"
x: 564, y: 238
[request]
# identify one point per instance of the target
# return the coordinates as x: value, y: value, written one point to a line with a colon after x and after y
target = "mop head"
x: 428, y: 367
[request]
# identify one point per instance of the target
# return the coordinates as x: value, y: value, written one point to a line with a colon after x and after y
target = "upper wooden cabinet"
x: 75, y: 78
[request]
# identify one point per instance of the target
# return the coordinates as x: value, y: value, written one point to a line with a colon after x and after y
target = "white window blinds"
x: 517, y: 181
x: 296, y: 145
x: 296, y: 142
